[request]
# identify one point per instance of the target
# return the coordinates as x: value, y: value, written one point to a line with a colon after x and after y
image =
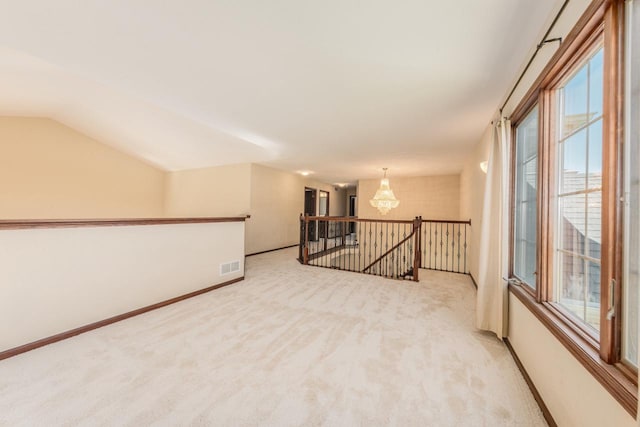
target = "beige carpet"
x: 289, y: 346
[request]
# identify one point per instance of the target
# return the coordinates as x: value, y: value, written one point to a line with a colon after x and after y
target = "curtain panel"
x: 492, y: 300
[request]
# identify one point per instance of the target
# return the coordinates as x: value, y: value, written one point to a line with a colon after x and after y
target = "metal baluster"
x: 441, y: 244
x: 408, y: 260
x: 327, y: 259
x: 381, y: 251
x: 435, y: 250
x: 349, y: 246
x: 357, y: 228
x: 400, y: 267
x: 407, y: 246
x: 386, y: 248
x: 369, y: 244
x: 424, y: 241
x: 322, y: 245
x: 375, y: 247
x: 453, y: 247
x: 404, y: 250
x: 458, y: 269
x: 465, y: 248
x: 392, y: 255
x: 446, y: 263
x: 346, y: 251
x: 429, y: 244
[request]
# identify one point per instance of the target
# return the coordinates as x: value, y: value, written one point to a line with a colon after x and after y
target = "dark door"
x: 310, y: 209
x: 352, y: 212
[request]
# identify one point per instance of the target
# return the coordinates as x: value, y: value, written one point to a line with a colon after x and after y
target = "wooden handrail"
x: 16, y: 224
x: 396, y: 246
x: 354, y: 219
x: 395, y: 221
x: 446, y: 221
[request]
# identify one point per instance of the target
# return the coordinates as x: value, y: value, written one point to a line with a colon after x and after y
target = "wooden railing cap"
x: 15, y: 224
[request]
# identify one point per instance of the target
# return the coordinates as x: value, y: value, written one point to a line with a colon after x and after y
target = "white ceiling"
x: 338, y: 87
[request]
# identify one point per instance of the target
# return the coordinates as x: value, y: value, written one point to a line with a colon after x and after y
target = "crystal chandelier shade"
x: 384, y: 200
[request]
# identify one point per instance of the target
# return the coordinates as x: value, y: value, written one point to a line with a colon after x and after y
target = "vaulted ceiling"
x: 338, y: 87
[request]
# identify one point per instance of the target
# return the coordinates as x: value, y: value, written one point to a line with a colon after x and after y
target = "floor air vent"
x: 229, y: 267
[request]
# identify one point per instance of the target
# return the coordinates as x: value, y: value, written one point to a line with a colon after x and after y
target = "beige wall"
x: 54, y: 280
x: 432, y: 197
x: 573, y: 396
x: 215, y: 191
x: 338, y: 205
x: 277, y: 200
x: 48, y: 170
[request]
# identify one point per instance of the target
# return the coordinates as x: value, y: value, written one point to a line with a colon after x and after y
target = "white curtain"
x: 491, y: 304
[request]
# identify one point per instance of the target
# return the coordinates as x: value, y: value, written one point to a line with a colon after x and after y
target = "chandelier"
x: 384, y: 200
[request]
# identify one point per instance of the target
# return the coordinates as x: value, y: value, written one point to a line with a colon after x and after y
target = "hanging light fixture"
x: 384, y: 200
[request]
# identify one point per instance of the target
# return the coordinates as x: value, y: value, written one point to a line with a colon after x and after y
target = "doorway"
x: 310, y: 209
x: 352, y: 212
x: 323, y: 210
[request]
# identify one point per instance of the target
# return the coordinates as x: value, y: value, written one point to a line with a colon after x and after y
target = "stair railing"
x: 445, y: 245
x: 389, y: 248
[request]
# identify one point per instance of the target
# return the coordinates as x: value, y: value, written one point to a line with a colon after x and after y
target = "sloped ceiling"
x: 338, y: 87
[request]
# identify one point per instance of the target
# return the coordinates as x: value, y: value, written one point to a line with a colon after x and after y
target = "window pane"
x: 580, y: 289
x: 574, y: 162
x: 579, y: 203
x: 595, y: 155
x: 572, y: 223
x: 592, y: 303
x: 594, y: 224
x: 524, y: 264
x: 572, y: 284
x: 595, y: 86
x: 575, y: 102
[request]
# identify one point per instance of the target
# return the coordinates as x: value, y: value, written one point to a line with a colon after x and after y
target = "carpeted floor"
x: 289, y: 346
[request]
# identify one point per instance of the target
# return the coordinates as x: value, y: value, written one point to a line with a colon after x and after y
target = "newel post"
x: 417, y: 253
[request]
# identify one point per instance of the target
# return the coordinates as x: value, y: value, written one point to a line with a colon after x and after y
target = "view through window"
x: 526, y: 173
x: 579, y: 201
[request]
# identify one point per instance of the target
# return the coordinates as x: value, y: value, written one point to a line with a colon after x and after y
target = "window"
x: 525, y: 212
x: 575, y: 248
x: 578, y: 149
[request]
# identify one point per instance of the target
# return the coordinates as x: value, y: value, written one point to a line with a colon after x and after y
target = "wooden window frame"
x: 601, y: 24
x: 595, y: 40
x: 533, y: 291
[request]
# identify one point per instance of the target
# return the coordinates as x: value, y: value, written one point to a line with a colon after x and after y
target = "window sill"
x: 610, y: 376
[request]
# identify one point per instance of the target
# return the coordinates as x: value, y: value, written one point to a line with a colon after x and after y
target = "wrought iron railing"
x: 389, y: 248
x: 445, y: 245
x: 380, y: 247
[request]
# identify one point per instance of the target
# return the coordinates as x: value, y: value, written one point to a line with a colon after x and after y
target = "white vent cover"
x: 229, y: 267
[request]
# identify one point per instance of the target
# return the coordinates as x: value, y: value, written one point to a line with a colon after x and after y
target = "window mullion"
x: 545, y: 183
x: 612, y: 133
